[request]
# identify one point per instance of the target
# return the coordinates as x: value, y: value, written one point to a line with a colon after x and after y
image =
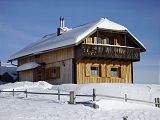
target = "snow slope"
x: 47, y: 107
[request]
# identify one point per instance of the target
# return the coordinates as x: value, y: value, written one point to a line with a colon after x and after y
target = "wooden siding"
x: 26, y: 75
x: 83, y: 73
x: 59, y: 58
x: 49, y: 57
x: 65, y: 72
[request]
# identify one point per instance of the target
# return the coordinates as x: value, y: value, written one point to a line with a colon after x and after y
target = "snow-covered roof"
x: 10, y: 70
x: 28, y: 66
x: 71, y: 37
x: 6, y: 64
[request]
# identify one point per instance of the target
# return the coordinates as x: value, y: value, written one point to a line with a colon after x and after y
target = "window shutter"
x: 108, y: 71
x: 123, y: 72
x: 95, y: 40
x: 88, y: 69
x: 90, y: 40
x: 119, y: 72
x: 103, y: 70
x: 104, y: 41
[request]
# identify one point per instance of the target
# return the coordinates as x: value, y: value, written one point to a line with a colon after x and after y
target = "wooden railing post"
x: 125, y: 98
x: 58, y: 94
x: 94, y: 95
x: 158, y: 102
x: 26, y: 93
x: 72, y: 97
x: 155, y: 102
x: 125, y: 117
x: 94, y: 98
x: 13, y: 92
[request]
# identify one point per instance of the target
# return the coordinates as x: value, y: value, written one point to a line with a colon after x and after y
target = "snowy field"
x: 47, y: 107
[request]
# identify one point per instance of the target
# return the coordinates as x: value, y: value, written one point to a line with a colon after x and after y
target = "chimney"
x: 61, y: 29
x: 63, y: 22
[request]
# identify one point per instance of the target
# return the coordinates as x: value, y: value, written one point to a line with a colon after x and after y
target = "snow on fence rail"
x: 72, y: 96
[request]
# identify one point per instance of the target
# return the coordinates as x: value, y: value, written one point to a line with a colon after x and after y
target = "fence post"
x: 125, y: 117
x: 58, y: 94
x: 26, y: 93
x: 72, y: 97
x: 125, y: 98
x: 158, y: 103
x: 13, y: 92
x: 155, y: 101
x: 94, y: 95
x: 94, y: 98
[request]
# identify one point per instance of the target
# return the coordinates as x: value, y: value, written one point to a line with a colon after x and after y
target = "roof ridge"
x: 88, y: 23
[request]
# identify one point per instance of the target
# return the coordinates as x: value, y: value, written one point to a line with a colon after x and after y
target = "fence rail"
x: 73, y: 96
x: 46, y: 93
x: 124, y: 98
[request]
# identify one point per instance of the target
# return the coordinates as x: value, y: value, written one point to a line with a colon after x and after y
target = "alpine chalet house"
x: 97, y: 52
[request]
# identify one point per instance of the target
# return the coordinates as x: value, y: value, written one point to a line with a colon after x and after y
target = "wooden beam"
x: 132, y: 71
x: 125, y: 39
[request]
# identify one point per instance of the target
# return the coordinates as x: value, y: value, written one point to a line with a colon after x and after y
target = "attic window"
x: 99, y: 41
x: 107, y: 40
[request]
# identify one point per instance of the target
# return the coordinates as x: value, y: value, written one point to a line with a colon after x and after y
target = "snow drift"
x: 40, y: 107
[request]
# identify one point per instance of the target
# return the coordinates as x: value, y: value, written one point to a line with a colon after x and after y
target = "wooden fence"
x: 73, y: 95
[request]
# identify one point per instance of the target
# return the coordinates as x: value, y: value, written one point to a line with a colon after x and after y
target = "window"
x: 99, y: 40
x: 53, y: 73
x: 107, y: 40
x: 94, y: 71
x: 114, y: 72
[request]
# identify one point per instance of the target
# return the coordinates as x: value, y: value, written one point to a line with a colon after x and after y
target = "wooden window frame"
x: 99, y: 38
x: 118, y: 72
x: 98, y: 71
x: 108, y: 39
x: 53, y: 73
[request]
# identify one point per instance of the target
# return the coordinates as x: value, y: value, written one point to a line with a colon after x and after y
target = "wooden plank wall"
x: 65, y: 72
x: 26, y: 75
x: 49, y: 57
x: 55, y: 58
x: 125, y: 76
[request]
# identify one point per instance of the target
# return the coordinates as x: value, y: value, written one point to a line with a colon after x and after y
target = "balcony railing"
x: 108, y: 52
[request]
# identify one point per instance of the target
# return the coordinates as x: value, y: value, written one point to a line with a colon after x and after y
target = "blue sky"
x: 25, y: 21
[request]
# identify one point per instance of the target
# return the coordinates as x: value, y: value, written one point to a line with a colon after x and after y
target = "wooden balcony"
x: 107, y: 52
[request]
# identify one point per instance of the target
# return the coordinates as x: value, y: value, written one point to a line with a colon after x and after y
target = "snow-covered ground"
x: 47, y: 107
